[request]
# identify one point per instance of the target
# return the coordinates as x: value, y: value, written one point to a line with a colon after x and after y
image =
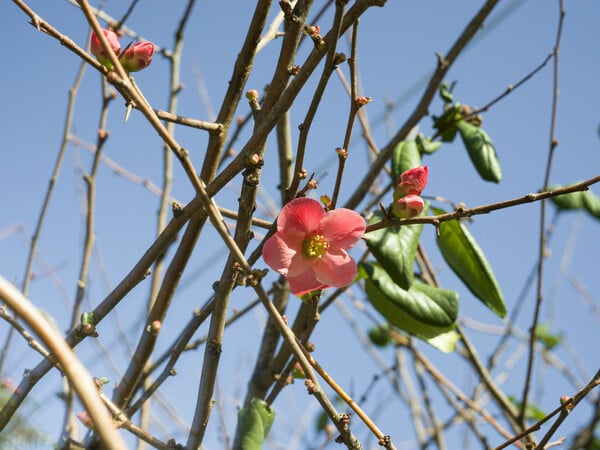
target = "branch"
x: 461, y: 213
x: 76, y: 373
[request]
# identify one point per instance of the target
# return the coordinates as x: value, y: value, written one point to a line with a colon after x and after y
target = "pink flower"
x: 137, y: 56
x: 99, y: 52
x: 310, y: 245
x: 412, y: 181
x: 408, y: 207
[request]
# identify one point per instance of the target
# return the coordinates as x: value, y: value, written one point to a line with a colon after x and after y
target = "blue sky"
x: 397, y: 47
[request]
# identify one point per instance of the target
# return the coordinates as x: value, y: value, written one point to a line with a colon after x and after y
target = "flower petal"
x: 302, y: 214
x: 277, y: 254
x: 342, y: 228
x: 304, y: 283
x: 337, y: 268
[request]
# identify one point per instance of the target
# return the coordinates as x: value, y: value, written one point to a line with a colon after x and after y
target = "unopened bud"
x: 362, y: 101
x: 99, y: 52
x: 254, y: 159
x: 154, y: 327
x: 86, y: 419
x: 408, y: 207
x: 411, y: 182
x: 312, y: 184
x: 137, y: 56
x: 252, y: 94
x: 342, y: 152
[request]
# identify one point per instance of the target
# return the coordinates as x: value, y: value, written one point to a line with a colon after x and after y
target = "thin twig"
x: 542, y: 242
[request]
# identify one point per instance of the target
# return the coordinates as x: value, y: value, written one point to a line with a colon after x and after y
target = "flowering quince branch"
x: 310, y: 245
x: 73, y: 369
x: 483, y: 209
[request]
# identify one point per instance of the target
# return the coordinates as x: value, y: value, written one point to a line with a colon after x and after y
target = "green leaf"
x: 323, y: 418
x: 426, y: 145
x: 532, y: 412
x: 481, y: 151
x: 379, y: 335
x: 466, y: 259
x: 406, y: 156
x: 254, y: 424
x: 546, y: 338
x: 445, y: 342
x: 566, y: 202
x: 446, y: 93
x: 591, y: 202
x: 422, y: 310
x: 395, y: 249
x: 447, y: 123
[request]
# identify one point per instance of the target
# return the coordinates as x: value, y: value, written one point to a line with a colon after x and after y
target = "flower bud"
x: 99, y: 52
x: 86, y: 419
x: 137, y: 56
x: 408, y: 207
x: 411, y: 182
x: 362, y: 101
x: 251, y: 94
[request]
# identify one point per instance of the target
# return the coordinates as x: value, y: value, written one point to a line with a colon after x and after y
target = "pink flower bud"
x: 251, y: 94
x: 411, y: 182
x: 137, y: 56
x: 86, y: 419
x: 362, y: 101
x: 99, y: 52
x: 408, y: 207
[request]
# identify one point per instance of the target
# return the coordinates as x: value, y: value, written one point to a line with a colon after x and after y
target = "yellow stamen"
x: 314, y: 246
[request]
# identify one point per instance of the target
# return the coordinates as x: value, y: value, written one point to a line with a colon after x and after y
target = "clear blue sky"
x: 396, y: 51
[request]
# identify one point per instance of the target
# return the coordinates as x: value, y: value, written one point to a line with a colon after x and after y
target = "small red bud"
x: 408, y: 207
x: 254, y: 159
x: 362, y: 101
x: 86, y: 419
x: 137, y: 56
x: 342, y: 152
x: 99, y: 52
x: 154, y: 327
x: 411, y: 182
x: 252, y: 94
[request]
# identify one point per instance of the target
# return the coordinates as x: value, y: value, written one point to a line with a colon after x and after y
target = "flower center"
x: 314, y: 246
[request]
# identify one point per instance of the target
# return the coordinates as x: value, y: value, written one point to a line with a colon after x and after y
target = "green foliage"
x: 254, y: 424
x: 573, y: 201
x: 466, y: 259
x: 422, y: 310
x: 406, y: 156
x: 395, y: 249
x: 379, y: 335
x: 18, y: 434
x: 446, y: 93
x: 567, y: 202
x: 323, y: 418
x: 591, y: 203
x: 481, y: 151
x: 532, y: 412
x: 447, y: 123
x: 546, y: 338
x: 426, y: 145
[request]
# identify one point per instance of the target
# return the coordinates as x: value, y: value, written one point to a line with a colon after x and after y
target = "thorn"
x: 128, y: 111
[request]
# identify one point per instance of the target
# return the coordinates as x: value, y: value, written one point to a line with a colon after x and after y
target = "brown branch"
x: 444, y: 63
x: 542, y: 240
x: 76, y: 373
x: 462, y: 213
